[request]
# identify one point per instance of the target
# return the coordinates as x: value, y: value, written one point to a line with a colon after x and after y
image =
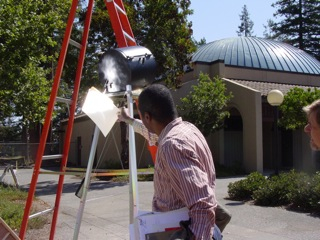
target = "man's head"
x: 313, y: 126
x: 156, y: 107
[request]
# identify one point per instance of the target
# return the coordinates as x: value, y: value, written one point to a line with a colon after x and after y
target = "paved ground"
x: 106, y: 214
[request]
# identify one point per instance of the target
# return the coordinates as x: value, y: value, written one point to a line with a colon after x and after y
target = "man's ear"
x: 147, y: 117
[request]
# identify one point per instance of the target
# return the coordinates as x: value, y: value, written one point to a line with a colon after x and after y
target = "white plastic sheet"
x: 100, y: 108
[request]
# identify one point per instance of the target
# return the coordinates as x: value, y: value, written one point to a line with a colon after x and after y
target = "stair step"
x: 128, y: 36
x: 64, y: 100
x: 75, y: 44
x: 41, y: 213
x: 47, y: 157
x: 119, y: 9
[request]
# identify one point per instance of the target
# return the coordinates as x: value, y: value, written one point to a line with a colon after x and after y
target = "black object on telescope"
x: 135, y: 66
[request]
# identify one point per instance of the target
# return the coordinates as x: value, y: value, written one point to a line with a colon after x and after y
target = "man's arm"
x: 138, y: 126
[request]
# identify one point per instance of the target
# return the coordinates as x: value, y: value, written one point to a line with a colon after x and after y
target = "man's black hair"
x: 157, y: 100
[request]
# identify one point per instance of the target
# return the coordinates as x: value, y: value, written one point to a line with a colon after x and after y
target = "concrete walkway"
x: 106, y: 214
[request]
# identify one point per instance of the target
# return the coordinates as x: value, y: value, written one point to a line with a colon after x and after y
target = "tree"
x: 205, y: 105
x: 292, y: 116
x: 9, y: 132
x: 161, y: 26
x: 299, y: 25
x: 245, y: 28
x: 169, y: 36
x: 29, y: 42
x: 202, y: 41
x: 267, y: 33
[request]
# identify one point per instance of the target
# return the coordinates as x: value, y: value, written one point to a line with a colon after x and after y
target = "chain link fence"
x: 24, y: 154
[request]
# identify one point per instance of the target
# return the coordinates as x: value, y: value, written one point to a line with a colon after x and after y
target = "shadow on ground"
x: 50, y: 187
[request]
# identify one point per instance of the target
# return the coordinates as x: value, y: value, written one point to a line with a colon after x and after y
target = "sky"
x: 215, y: 20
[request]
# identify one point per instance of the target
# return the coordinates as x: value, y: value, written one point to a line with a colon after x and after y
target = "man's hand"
x: 123, y: 115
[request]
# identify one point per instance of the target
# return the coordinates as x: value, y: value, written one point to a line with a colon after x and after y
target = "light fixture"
x: 275, y: 97
x: 119, y: 67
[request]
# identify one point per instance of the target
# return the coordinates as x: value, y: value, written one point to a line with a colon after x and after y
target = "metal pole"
x: 276, y: 145
x: 86, y: 182
x: 133, y: 180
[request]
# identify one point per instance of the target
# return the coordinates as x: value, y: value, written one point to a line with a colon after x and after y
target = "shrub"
x: 315, y: 199
x: 243, y: 189
x: 306, y: 196
x: 297, y: 190
x: 276, y: 190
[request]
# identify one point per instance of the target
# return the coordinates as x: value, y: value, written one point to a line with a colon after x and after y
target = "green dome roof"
x: 260, y: 53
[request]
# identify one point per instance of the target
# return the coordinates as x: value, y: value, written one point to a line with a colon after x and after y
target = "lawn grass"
x: 12, y: 205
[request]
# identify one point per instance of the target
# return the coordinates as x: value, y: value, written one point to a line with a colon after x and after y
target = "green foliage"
x: 299, y: 25
x: 297, y: 190
x: 201, y: 42
x: 205, y: 105
x: 169, y: 36
x: 243, y: 189
x: 292, y: 115
x: 28, y: 49
x: 12, y: 207
x: 276, y: 191
x: 306, y: 194
x: 267, y: 33
x: 9, y: 133
x: 11, y: 213
x: 245, y: 28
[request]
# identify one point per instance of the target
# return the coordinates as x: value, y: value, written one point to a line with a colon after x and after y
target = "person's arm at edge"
x: 201, y: 212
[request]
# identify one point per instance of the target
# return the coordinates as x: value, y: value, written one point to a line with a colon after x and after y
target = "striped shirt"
x: 184, y: 176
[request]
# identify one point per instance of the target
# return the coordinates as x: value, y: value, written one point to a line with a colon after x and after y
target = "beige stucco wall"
x: 248, y: 102
x: 213, y: 70
x: 108, y: 152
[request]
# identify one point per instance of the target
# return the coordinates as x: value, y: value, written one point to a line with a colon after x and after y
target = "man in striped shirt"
x: 184, y: 170
x: 223, y: 216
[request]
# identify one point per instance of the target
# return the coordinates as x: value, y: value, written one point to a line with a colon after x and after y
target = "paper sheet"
x: 100, y: 108
x: 153, y: 222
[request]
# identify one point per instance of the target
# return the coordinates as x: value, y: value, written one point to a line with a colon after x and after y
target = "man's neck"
x: 158, y: 127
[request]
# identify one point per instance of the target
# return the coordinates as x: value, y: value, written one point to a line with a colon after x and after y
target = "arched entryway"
x: 233, y: 139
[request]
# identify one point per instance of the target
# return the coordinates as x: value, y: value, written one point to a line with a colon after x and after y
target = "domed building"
x: 250, y: 68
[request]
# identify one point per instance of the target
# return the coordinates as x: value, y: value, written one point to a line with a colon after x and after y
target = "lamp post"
x: 275, y: 98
